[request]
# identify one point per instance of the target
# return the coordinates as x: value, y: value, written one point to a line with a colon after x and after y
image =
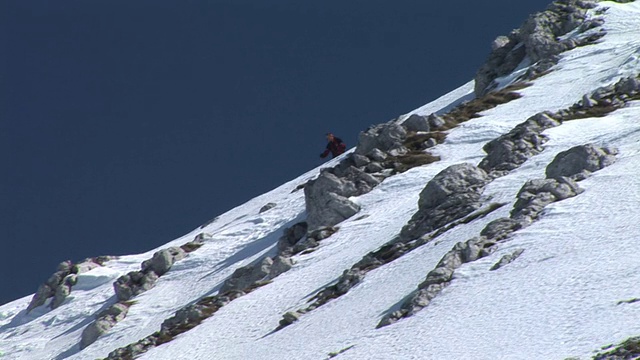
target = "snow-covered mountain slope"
x: 572, y: 290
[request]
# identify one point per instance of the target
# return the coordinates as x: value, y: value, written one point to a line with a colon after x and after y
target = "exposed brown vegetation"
x: 471, y: 109
x: 413, y: 159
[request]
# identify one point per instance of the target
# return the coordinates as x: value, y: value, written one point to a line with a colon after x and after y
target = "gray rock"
x: 456, y: 179
x: 292, y: 235
x: 629, y: 85
x: 430, y: 143
x: 248, y: 276
x: 450, y: 195
x: 539, y: 38
x: 500, y: 228
x: 511, y: 150
x: 191, y: 314
x: 267, y: 207
x: 280, y: 265
x: 65, y: 266
x: 40, y: 297
x: 579, y: 161
x: 134, y: 283
x: 417, y: 123
x: 438, y: 275
x: 384, y: 137
x: 500, y: 42
x: 62, y: 291
x: 84, y: 267
x: 536, y: 194
x: 374, y: 167
x: 96, y: 329
x: 507, y: 259
x: 377, y: 155
x: 326, y: 201
x: 435, y: 121
x: 323, y: 232
x: 162, y: 260
x: 360, y: 160
x: 106, y: 320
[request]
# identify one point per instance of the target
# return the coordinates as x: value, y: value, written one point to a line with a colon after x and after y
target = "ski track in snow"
x: 558, y: 299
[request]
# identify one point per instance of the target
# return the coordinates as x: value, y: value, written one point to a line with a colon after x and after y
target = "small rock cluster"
x: 539, y: 39
x: 184, y: 319
x: 60, y: 283
x: 629, y: 349
x: 134, y: 283
x: 512, y: 149
x: 381, y: 152
x: 532, y: 198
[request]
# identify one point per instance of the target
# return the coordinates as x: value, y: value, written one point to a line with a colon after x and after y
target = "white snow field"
x: 559, y: 299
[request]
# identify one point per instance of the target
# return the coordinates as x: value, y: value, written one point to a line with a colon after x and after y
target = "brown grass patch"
x: 416, y: 141
x: 471, y: 109
x: 413, y: 159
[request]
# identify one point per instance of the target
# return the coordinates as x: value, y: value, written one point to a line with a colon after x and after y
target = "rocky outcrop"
x: 507, y: 259
x: 629, y: 349
x: 384, y: 137
x: 134, y: 283
x: 417, y: 123
x: 137, y: 282
x: 540, y: 40
x: 450, y: 195
x: 59, y: 284
x: 103, y: 323
x: 327, y: 202
x: 512, y: 149
x: 538, y: 193
x: 532, y: 198
x: 578, y: 162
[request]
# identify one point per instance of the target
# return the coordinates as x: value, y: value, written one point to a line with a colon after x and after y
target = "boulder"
x: 507, y: 259
x: 329, y: 209
x: 360, y: 160
x: 417, y: 123
x: 281, y: 264
x: 134, y: 283
x: 40, y: 297
x: 512, y: 149
x: 435, y: 121
x: 578, y: 162
x: 377, y: 155
x: 500, y: 228
x: 383, y: 137
x: 539, y: 38
x: 450, y: 195
x: 105, y: 321
x: 248, y: 276
x: 162, y: 260
x: 292, y: 235
x: 84, y: 267
x: 536, y: 194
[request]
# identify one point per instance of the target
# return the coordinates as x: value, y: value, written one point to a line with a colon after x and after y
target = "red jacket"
x: 335, y: 147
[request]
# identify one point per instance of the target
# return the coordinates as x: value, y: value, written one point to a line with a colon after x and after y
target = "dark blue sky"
x: 124, y: 124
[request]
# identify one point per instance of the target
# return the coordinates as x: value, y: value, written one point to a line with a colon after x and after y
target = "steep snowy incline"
x: 561, y: 298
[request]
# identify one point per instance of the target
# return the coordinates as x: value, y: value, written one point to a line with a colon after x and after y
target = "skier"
x: 335, y: 146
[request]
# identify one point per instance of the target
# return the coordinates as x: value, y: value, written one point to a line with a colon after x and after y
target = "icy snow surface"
x: 558, y: 300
